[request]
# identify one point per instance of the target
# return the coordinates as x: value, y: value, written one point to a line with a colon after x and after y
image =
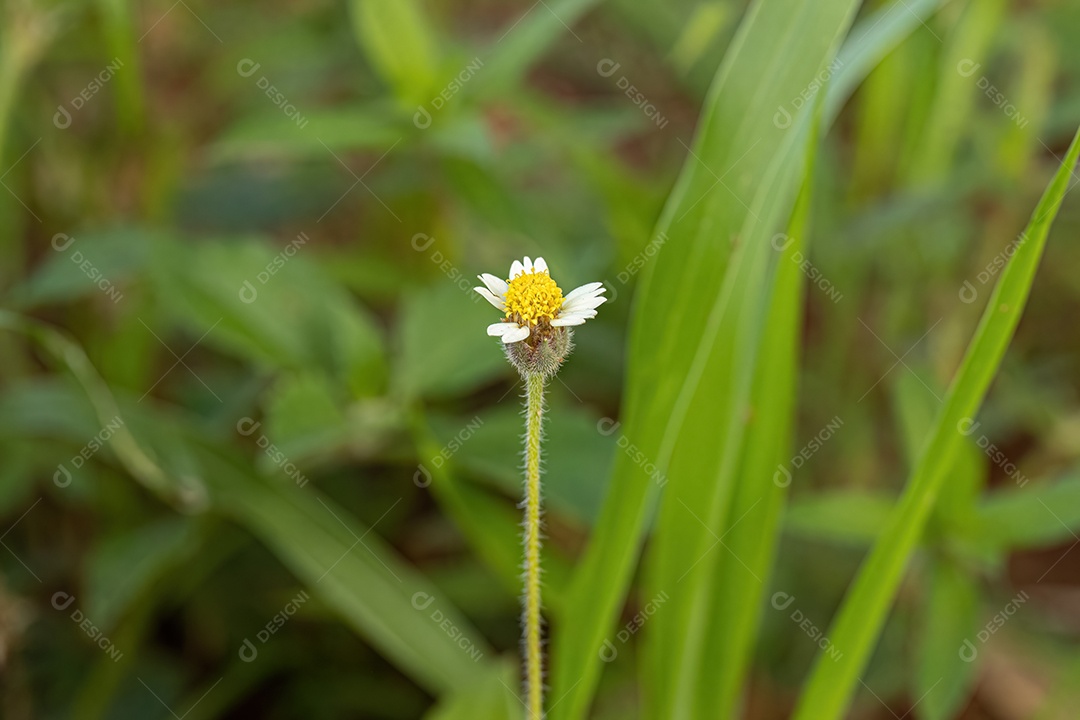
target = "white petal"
x: 516, y: 269
x: 491, y: 298
x: 587, y: 314
x: 567, y: 320
x: 584, y: 302
x: 583, y: 312
x: 528, y: 264
x: 513, y: 336
x: 500, y: 329
x: 591, y: 288
x: 495, y: 284
x: 540, y: 266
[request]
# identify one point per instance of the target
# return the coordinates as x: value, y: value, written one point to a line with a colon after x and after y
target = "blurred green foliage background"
x: 259, y: 459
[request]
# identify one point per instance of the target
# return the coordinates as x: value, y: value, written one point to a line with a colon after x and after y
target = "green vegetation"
x: 817, y: 457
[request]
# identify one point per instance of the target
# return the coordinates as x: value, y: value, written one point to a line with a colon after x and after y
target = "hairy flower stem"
x: 534, y: 675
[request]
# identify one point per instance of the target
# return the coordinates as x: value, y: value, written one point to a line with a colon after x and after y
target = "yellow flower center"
x: 533, y: 297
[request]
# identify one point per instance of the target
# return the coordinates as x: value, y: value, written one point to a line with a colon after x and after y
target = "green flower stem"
x: 534, y: 408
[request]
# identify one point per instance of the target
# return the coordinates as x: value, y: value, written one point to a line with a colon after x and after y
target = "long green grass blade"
x: 182, y: 490
x: 950, y: 615
x: 120, y: 39
x: 955, y: 93
x: 870, y: 40
x: 751, y: 528
x: 523, y: 42
x: 400, y: 44
x: 866, y: 606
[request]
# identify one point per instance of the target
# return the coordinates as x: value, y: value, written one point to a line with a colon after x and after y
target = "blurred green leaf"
x: 313, y: 135
x: 841, y: 516
x: 353, y: 571
x: 524, y: 41
x: 1038, y: 515
x: 950, y: 616
x: 18, y: 467
x: 183, y: 489
x: 700, y: 33
x: 576, y: 462
x: 399, y: 43
x: 46, y: 408
x: 444, y: 350
x: 492, y: 699
x: 117, y: 19
x: 955, y: 90
x: 96, y: 266
x: 275, y: 308
x: 303, y: 416
x: 123, y: 563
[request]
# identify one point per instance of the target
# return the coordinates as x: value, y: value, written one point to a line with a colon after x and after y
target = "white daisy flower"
x: 532, y: 301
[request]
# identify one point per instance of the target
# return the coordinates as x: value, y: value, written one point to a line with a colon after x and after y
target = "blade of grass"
x: 955, y: 93
x: 27, y: 32
x: 950, y: 614
x: 399, y: 44
x: 118, y: 27
x: 182, y: 490
x: 751, y: 529
x: 950, y: 607
x: 600, y: 583
x: 870, y: 41
x: 865, y: 608
x: 523, y: 42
